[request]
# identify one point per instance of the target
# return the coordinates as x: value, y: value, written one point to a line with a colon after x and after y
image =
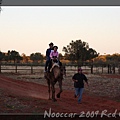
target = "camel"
x: 56, y: 75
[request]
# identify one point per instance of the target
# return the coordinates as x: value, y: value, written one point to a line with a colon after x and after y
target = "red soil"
x: 38, y: 99
x: 110, y: 76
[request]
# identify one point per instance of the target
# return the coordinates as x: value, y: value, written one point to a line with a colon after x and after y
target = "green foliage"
x: 1, y: 56
x: 36, y: 57
x: 114, y: 57
x: 79, y: 51
x: 14, y: 55
x: 11, y: 55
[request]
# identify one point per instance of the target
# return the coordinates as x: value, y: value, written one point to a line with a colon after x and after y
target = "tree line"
x: 15, y: 57
x: 77, y: 52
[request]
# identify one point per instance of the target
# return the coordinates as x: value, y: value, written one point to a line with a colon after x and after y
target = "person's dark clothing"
x: 80, y: 77
x: 47, y: 64
x: 48, y: 51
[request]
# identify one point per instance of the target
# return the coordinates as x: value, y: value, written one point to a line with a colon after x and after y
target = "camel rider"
x: 54, y: 57
x: 48, y: 51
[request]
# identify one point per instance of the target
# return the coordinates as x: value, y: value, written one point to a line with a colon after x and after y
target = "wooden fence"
x: 32, y: 68
x: 18, y: 67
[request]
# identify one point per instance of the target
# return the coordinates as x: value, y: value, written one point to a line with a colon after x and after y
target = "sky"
x: 30, y: 29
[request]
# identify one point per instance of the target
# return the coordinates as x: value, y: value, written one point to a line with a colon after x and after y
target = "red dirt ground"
x: 111, y: 75
x: 35, y: 97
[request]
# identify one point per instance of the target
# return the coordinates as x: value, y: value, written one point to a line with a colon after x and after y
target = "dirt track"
x: 38, y: 98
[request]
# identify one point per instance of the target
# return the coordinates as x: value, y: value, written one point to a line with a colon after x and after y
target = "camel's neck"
x: 56, y: 71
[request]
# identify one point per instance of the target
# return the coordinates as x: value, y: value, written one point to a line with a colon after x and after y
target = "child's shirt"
x: 53, y: 53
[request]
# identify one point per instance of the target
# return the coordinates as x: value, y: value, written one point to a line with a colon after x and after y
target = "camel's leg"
x: 53, y: 92
x: 60, y: 86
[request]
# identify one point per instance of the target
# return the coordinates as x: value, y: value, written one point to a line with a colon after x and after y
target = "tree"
x: 91, y: 54
x: 14, y: 55
x: 9, y: 55
x: 79, y: 51
x: 1, y: 56
x: 0, y: 5
x: 36, y: 57
x: 115, y: 58
x: 6, y: 57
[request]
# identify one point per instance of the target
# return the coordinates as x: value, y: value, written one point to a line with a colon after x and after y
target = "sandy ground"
x: 21, y: 93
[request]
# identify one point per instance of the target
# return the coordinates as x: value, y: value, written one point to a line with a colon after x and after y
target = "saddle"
x: 54, y: 64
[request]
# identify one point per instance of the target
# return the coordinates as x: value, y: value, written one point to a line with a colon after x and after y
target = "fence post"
x: 113, y: 69
x: 91, y: 66
x: 31, y: 69
x: 91, y: 69
x: 15, y: 68
x: 110, y: 69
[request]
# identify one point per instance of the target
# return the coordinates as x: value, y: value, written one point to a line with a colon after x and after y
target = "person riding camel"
x: 54, y: 53
x: 54, y: 56
x: 48, y: 51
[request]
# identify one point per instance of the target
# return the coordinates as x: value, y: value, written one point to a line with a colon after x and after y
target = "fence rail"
x: 34, y: 67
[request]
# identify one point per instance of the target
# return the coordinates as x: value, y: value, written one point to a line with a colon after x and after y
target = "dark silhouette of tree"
x: 1, y: 56
x: 79, y: 51
x: 32, y: 57
x: 8, y: 56
x: 0, y: 4
x: 14, y: 55
x: 35, y: 57
x: 114, y: 58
